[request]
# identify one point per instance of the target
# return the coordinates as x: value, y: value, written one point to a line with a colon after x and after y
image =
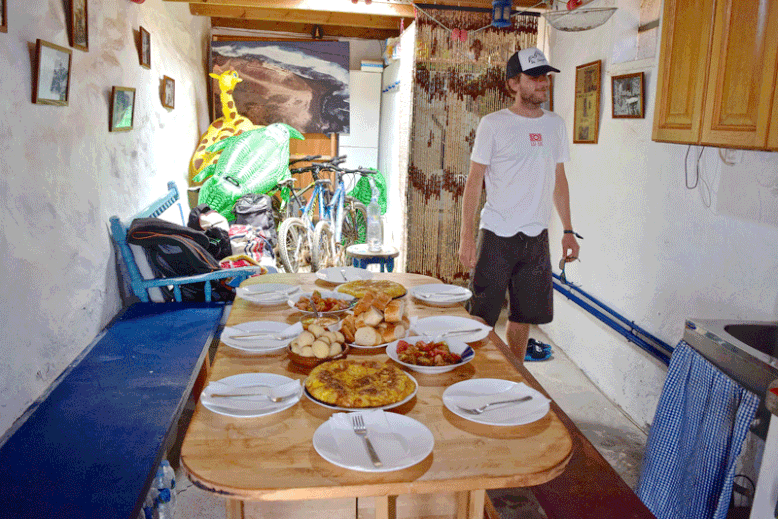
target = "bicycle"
x: 344, y: 223
x: 341, y: 216
x: 289, y: 202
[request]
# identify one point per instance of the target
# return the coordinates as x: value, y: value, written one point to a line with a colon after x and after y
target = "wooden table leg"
x: 470, y: 505
x: 234, y: 508
x: 386, y: 507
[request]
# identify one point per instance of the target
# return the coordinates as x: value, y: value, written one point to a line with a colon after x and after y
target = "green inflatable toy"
x: 252, y: 162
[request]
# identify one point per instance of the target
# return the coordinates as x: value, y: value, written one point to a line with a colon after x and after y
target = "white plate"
x: 432, y: 326
x: 324, y: 294
x: 334, y: 274
x: 493, y: 389
x: 438, y: 294
x: 259, y: 345
x: 454, y: 346
x: 414, y: 439
x: 263, y: 408
x: 267, y: 294
x: 351, y: 410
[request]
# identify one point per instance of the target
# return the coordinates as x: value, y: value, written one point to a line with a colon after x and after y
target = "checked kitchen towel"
x: 699, y: 427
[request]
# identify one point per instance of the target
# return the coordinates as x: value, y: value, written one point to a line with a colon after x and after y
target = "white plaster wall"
x: 62, y: 174
x: 652, y: 250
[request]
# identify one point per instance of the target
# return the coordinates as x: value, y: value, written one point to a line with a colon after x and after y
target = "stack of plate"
x: 267, y: 294
x: 438, y: 294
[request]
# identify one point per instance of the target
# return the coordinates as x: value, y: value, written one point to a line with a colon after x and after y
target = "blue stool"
x: 362, y: 257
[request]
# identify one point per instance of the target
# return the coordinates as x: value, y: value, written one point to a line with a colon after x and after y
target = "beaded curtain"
x: 457, y: 82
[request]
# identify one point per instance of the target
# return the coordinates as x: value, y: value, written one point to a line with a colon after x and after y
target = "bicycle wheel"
x: 354, y: 228
x: 294, y: 245
x: 323, y: 255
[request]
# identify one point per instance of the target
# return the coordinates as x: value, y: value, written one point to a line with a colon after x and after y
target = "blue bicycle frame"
x: 332, y: 211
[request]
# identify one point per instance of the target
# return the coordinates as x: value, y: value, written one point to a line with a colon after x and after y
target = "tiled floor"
x: 615, y: 436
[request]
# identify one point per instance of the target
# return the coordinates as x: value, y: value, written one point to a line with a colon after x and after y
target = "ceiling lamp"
x: 578, y: 19
x: 501, y: 13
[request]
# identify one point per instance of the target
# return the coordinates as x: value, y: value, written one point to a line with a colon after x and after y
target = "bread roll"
x: 305, y: 339
x: 340, y: 337
x: 359, y: 321
x: 394, y: 311
x: 307, y: 351
x: 392, y: 332
x: 373, y: 317
x: 321, y: 349
x: 316, y: 329
x: 367, y: 336
x: 335, y: 348
x: 364, y: 304
x: 381, y: 300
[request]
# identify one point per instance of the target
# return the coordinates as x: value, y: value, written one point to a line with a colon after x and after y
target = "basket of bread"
x: 317, y: 344
x: 377, y: 320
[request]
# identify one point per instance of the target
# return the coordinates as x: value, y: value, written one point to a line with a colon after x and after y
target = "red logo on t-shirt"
x: 535, y: 139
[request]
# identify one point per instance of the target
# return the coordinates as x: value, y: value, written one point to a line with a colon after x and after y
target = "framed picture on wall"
x: 145, y: 48
x: 3, y: 16
x: 168, y: 92
x: 586, y: 124
x: 628, y: 96
x: 79, y: 31
x: 122, y: 111
x: 549, y: 105
x: 51, y: 78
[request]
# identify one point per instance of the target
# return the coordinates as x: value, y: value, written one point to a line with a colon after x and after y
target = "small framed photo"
x: 145, y: 48
x: 79, y: 25
x: 628, y: 96
x: 3, y: 16
x: 169, y: 92
x: 51, y: 78
x: 122, y: 109
x: 586, y: 121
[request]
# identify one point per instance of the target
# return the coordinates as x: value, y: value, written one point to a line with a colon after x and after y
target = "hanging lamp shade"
x: 501, y: 13
x: 581, y: 19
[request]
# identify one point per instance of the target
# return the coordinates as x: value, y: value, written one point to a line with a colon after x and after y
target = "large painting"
x: 302, y: 84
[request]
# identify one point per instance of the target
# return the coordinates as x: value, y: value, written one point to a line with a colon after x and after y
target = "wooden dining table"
x: 258, y: 463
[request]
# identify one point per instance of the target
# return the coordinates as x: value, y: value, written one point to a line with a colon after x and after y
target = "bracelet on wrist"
x: 570, y: 231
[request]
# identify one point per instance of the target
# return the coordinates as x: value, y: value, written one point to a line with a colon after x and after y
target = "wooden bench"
x: 143, y: 287
x: 90, y: 446
x: 589, y: 488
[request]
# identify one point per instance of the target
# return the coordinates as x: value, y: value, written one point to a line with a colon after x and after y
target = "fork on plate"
x: 358, y: 424
x: 479, y: 410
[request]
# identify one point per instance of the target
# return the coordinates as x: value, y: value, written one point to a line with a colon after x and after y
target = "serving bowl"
x: 325, y: 294
x: 312, y: 362
x: 454, y: 346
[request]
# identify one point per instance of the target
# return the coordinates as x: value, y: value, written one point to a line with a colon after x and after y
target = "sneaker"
x: 537, y: 351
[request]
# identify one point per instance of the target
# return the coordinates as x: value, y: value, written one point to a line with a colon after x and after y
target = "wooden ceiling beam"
x: 339, y: 31
x: 292, y: 16
x: 383, y: 9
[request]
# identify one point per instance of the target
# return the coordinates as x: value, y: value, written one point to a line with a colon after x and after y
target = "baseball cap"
x: 530, y: 61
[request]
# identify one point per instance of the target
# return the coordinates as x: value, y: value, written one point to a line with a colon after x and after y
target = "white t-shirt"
x: 520, y: 154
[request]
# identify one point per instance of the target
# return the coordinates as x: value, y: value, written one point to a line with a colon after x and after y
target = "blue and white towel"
x: 700, y: 424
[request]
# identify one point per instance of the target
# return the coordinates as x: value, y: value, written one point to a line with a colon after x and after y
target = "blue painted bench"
x: 90, y: 446
x: 142, y: 287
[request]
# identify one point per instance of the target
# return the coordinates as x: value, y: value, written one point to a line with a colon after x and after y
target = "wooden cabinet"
x: 717, y: 74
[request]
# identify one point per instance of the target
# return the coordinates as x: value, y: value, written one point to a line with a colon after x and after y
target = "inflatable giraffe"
x: 230, y: 124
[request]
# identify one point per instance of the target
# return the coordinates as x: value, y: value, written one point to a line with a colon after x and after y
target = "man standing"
x: 518, y: 155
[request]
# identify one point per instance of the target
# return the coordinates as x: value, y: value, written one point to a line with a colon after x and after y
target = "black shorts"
x: 522, y: 265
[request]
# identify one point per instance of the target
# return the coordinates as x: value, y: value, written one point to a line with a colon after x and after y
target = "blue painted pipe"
x: 628, y: 333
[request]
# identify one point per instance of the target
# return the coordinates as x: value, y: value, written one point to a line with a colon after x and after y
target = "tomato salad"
x: 426, y: 354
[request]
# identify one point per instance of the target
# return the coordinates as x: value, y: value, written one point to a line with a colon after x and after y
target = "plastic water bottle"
x: 374, y: 239
x: 161, y: 500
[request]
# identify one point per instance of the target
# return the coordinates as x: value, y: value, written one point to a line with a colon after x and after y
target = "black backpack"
x: 256, y: 210
x: 173, y: 251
